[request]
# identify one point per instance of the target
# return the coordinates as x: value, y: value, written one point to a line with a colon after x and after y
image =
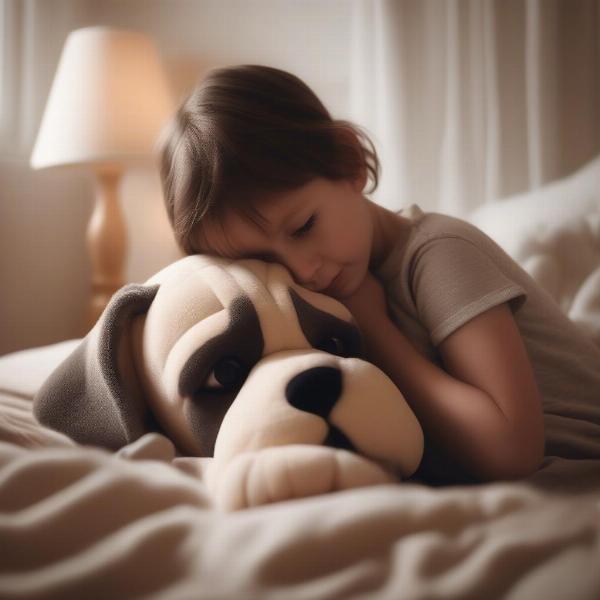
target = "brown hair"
x: 248, y: 131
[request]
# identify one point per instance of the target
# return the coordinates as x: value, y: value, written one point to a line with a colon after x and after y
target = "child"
x: 254, y: 166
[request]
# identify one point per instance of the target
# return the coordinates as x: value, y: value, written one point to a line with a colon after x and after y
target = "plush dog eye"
x: 332, y: 345
x: 226, y: 374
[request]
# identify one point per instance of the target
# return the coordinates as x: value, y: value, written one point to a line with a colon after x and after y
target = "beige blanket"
x: 78, y: 522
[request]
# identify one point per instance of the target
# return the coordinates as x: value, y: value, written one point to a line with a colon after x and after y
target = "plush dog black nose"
x: 315, y: 390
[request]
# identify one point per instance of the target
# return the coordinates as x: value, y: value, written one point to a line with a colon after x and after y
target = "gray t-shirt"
x: 443, y: 271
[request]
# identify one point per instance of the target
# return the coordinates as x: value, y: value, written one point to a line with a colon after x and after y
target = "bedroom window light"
x: 11, y: 12
x: 3, y: 9
x: 5, y: 71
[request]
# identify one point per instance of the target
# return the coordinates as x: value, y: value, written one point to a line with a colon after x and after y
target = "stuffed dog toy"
x: 233, y: 360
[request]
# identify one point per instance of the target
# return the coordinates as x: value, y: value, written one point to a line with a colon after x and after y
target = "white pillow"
x: 554, y: 234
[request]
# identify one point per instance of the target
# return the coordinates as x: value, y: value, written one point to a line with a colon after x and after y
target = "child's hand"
x: 368, y: 304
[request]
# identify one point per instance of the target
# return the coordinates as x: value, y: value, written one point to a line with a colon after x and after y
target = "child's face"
x: 322, y: 232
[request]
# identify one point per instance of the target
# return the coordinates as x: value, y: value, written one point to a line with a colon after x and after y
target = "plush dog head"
x: 225, y: 357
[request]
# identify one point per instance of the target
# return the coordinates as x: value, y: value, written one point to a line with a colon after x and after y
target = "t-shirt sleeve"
x: 453, y: 281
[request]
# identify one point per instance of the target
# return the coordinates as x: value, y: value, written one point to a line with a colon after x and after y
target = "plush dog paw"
x: 287, y: 472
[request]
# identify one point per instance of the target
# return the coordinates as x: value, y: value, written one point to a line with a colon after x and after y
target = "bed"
x: 81, y: 522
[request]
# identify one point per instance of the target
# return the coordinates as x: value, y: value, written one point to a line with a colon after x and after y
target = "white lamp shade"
x: 108, y: 102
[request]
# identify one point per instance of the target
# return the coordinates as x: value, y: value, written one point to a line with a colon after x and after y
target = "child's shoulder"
x: 430, y: 226
x: 440, y: 242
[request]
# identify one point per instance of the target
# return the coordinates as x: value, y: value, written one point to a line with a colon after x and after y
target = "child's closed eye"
x: 306, y: 227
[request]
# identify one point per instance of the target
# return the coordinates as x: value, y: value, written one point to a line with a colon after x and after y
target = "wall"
x: 44, y: 271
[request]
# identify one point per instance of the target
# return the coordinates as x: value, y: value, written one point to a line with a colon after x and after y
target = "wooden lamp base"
x: 106, y: 241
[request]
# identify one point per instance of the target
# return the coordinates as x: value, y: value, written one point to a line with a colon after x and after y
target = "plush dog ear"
x: 94, y: 396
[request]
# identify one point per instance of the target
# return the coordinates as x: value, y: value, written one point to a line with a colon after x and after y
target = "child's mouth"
x: 333, y: 283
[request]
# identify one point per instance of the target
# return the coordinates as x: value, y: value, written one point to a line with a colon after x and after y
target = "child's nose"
x: 304, y: 268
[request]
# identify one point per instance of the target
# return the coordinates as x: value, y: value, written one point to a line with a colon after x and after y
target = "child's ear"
x: 360, y: 181
x: 350, y: 139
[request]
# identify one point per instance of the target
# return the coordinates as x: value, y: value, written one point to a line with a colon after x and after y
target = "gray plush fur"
x: 94, y: 396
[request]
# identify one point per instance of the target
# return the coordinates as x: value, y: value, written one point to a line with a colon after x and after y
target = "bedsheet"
x: 79, y: 522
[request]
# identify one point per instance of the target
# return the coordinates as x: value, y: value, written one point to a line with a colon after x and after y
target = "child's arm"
x: 484, y: 410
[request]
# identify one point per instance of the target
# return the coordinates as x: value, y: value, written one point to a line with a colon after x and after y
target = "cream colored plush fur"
x: 301, y: 411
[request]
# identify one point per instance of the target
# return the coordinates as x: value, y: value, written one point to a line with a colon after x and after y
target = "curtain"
x: 469, y: 101
x: 32, y: 33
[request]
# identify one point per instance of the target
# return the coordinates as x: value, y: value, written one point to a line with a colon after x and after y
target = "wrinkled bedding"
x: 79, y: 522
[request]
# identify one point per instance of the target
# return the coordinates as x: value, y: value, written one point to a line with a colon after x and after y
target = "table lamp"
x: 108, y: 102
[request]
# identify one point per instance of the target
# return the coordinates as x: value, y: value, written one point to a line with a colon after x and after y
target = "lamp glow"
x: 108, y: 103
